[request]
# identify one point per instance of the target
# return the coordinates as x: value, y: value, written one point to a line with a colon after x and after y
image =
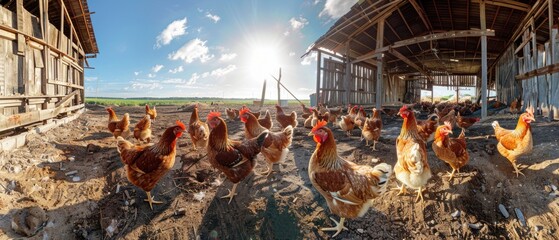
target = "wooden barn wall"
x: 394, y: 89
x: 553, y: 79
x: 361, y: 85
x: 506, y: 69
x: 536, y: 91
x: 24, y: 88
x: 333, y: 82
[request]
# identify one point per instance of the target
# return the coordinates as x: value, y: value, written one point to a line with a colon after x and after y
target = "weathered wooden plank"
x: 538, y: 72
x: 23, y: 119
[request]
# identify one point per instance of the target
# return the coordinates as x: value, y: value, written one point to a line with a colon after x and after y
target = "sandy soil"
x: 98, y: 198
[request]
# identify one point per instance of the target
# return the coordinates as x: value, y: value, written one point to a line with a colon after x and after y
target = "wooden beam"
x: 23, y: 119
x: 508, y: 4
x: 422, y: 15
x: 411, y: 63
x: 66, y: 99
x: 378, y: 91
x: 318, y: 77
x: 426, y: 38
x: 538, y: 72
x: 526, y: 41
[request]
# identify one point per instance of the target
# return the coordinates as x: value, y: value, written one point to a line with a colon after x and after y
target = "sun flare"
x: 262, y: 61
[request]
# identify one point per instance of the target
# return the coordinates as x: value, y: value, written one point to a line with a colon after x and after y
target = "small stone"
x: 432, y: 222
x: 71, y: 173
x: 483, y: 188
x: 553, y: 187
x: 16, y: 169
x: 547, y: 188
x: 499, y: 185
x: 214, y: 234
x: 360, y: 230
x: 375, y: 160
x: 71, y: 158
x: 538, y: 228
x: 504, y: 211
x: 455, y: 214
x: 475, y: 226
x: 520, y: 217
x: 76, y: 178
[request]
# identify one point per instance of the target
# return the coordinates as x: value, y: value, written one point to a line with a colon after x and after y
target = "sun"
x: 263, y: 60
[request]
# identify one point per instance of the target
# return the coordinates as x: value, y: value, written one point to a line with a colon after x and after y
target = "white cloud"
x: 175, y: 29
x: 199, y: 30
x: 227, y: 57
x: 286, y: 33
x: 151, y: 86
x: 157, y: 68
x: 150, y: 75
x: 176, y: 70
x: 291, y: 54
x: 223, y: 71
x: 298, y: 23
x: 193, y: 79
x: 307, y: 60
x: 214, y: 18
x: 192, y: 50
x: 91, y: 79
x: 316, y: 2
x: 137, y: 73
x: 336, y: 8
x: 219, y: 72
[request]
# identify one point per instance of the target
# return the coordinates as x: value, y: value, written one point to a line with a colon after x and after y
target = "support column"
x: 483, y: 60
x: 379, y: 91
x: 46, y: 51
x: 553, y: 98
x: 347, y: 76
x: 318, y: 63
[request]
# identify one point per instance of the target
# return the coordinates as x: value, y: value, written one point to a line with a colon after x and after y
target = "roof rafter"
x: 508, y: 4
x: 426, y: 38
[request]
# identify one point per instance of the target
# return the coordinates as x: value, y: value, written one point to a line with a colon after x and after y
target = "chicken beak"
x: 310, y: 134
x: 532, y: 119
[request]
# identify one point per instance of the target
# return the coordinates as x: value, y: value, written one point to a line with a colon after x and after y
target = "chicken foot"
x: 419, y: 194
x: 269, y: 170
x: 516, y: 170
x: 151, y: 201
x: 402, y: 189
x: 374, y: 145
x: 231, y: 193
x: 338, y: 228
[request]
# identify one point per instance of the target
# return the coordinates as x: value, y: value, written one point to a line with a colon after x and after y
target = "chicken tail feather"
x: 495, y: 124
x: 384, y: 171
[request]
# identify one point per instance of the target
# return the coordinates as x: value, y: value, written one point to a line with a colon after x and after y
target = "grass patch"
x: 180, y: 101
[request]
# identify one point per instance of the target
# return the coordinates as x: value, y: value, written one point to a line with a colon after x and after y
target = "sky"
x: 209, y: 48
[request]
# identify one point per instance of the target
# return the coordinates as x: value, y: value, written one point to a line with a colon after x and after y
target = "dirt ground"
x: 98, y: 202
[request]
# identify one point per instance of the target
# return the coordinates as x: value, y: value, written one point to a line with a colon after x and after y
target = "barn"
x: 44, y: 47
x: 385, y: 52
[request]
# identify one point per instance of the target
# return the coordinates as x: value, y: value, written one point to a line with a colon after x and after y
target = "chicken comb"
x: 319, y: 125
x: 181, y: 125
x: 447, y: 123
x: 213, y: 114
x: 244, y: 110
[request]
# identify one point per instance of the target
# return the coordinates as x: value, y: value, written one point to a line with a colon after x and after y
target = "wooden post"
x: 553, y: 83
x: 380, y: 37
x: 483, y: 61
x: 347, y: 76
x: 279, y: 79
x: 318, y: 63
x: 263, y: 94
x: 46, y: 51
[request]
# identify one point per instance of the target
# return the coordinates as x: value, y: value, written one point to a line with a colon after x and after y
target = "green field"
x: 179, y: 101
